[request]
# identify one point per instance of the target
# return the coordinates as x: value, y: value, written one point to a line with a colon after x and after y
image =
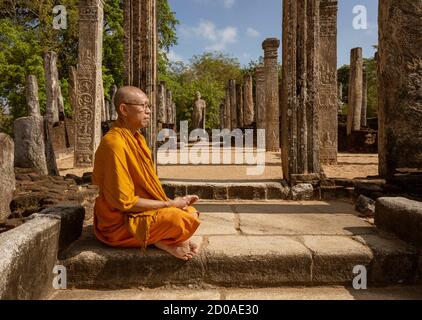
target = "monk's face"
x: 137, y: 112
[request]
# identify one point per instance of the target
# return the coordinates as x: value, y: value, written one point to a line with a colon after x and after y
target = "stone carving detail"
x: 327, y: 93
x: 89, y: 93
x: 260, y: 98
x: 399, y: 86
x: 8, y: 183
x: 248, y: 106
x: 300, y: 76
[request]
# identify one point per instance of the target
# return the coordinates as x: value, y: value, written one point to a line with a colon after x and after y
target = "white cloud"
x: 174, y: 57
x: 251, y: 32
x: 218, y: 39
x: 229, y: 3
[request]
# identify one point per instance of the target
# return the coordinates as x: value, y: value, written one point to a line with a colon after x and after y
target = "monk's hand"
x: 180, y: 202
x: 192, y: 199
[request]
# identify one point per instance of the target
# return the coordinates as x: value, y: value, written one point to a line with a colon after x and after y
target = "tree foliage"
x: 26, y: 32
x: 209, y: 74
x: 370, y: 65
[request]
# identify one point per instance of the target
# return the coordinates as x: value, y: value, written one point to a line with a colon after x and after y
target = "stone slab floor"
x: 280, y: 293
x: 331, y: 231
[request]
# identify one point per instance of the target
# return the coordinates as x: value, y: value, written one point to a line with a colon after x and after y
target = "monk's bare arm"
x: 147, y: 204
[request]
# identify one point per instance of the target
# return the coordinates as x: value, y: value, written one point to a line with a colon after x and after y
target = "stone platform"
x: 220, y: 293
x: 254, y: 244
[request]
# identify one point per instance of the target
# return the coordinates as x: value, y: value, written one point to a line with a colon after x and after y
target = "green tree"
x: 27, y: 32
x: 207, y: 73
x: 370, y: 65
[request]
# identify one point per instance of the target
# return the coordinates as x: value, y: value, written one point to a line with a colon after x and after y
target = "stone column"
x: 260, y: 98
x: 52, y: 87
x: 89, y: 78
x: 222, y: 107
x: 300, y: 141
x: 233, y: 105
x: 107, y: 110
x: 340, y: 97
x: 355, y: 91
x: 140, y: 25
x: 50, y: 156
x: 399, y: 86
x: 29, y: 144
x: 162, y: 99
x: 29, y: 133
x: 239, y: 103
x: 328, y: 103
x: 363, y: 122
x: 113, y: 114
x: 8, y: 183
x: 32, y: 99
x: 169, y: 107
x: 174, y: 111
x: 227, y: 113
x: 248, y: 106
x: 272, y: 133
x: 73, y: 88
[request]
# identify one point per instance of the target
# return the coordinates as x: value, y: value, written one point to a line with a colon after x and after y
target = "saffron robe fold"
x: 124, y: 172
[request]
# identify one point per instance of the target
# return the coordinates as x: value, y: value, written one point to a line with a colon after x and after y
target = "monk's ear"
x: 122, y: 109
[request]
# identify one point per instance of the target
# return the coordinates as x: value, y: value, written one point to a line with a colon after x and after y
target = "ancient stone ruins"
x: 375, y: 221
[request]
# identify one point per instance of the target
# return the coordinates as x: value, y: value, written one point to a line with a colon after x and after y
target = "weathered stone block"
x: 400, y: 216
x: 399, y: 77
x: 72, y: 219
x: 202, y: 191
x: 394, y: 262
x: 8, y: 183
x: 365, y: 205
x: 247, y: 192
x: 220, y: 193
x: 302, y: 191
x: 257, y: 261
x: 29, y: 143
x: 28, y: 255
x: 335, y: 257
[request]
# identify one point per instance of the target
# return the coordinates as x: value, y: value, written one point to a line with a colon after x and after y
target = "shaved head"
x: 129, y: 95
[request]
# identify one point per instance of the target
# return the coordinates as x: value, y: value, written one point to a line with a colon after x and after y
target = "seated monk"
x: 132, y: 209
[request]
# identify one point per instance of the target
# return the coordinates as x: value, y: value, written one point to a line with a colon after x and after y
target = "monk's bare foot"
x: 181, y: 251
x: 194, y: 247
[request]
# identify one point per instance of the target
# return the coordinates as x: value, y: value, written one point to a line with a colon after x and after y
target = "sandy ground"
x: 349, y: 166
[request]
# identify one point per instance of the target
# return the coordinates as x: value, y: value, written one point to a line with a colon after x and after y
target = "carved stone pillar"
x: 272, y: 107
x: 300, y: 141
x: 89, y: 81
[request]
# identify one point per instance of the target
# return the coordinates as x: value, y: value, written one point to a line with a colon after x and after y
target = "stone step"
x: 254, y: 245
x: 241, y: 190
x: 221, y: 293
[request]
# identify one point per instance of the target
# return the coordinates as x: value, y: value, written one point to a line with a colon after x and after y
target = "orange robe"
x: 124, y: 172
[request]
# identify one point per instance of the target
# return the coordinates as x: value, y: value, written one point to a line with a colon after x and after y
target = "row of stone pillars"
x: 309, y: 85
x: 238, y: 110
x: 357, y: 95
x: 166, y: 108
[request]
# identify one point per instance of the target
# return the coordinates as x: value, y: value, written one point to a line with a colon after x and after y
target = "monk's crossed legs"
x: 172, y: 230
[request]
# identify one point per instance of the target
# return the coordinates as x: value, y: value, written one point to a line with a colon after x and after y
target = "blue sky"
x: 238, y: 27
